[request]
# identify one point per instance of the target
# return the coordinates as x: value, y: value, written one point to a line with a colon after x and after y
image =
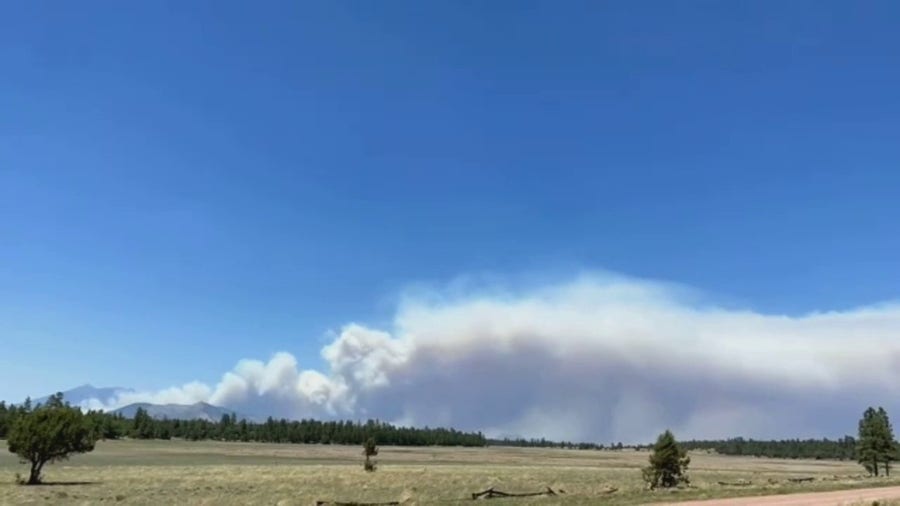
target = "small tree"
x: 49, y: 433
x: 668, y: 463
x: 369, y: 450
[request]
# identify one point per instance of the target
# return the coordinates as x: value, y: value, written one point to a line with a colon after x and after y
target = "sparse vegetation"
x: 209, y: 472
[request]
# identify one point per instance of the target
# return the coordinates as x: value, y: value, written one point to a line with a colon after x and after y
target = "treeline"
x: 229, y: 428
x: 545, y: 443
x: 838, y: 449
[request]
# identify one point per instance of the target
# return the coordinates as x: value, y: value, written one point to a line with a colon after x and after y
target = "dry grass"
x: 155, y: 472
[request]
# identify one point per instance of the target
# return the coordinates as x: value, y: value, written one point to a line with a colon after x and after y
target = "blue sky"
x: 186, y: 184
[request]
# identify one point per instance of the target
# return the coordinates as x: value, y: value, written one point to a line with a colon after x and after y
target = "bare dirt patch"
x: 839, y: 497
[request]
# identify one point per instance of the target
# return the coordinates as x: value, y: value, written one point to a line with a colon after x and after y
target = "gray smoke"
x: 596, y: 358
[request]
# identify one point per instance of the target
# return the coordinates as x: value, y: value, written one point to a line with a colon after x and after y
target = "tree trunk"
x: 34, y: 477
x: 875, y: 466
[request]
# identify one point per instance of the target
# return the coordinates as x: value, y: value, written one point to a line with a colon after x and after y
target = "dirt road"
x: 834, y: 498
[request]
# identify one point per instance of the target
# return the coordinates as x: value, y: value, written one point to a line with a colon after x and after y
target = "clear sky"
x: 185, y: 184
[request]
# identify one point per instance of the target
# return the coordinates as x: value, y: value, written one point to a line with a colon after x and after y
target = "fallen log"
x: 354, y: 503
x: 491, y: 493
x: 739, y: 483
x: 801, y: 480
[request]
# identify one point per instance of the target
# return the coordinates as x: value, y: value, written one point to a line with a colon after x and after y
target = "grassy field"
x: 177, y: 472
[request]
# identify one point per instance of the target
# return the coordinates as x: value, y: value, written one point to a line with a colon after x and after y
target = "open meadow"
x: 206, y: 472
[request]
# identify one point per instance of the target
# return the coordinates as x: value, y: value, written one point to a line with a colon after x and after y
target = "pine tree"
x: 5, y: 417
x: 668, y: 463
x: 143, y: 426
x: 874, y: 429
x: 885, y: 445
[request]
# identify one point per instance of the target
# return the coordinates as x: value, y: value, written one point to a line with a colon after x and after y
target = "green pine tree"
x: 143, y: 427
x: 874, y: 434
x: 668, y: 463
x: 885, y: 446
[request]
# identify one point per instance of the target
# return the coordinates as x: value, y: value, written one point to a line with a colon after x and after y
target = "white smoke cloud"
x: 597, y: 358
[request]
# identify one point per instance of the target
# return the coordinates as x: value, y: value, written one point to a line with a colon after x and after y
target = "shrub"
x: 668, y: 463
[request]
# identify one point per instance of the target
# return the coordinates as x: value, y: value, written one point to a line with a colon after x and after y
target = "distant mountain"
x: 86, y: 392
x: 198, y: 411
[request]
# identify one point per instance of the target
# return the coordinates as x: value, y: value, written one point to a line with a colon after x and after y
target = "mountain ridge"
x: 196, y: 411
x: 83, y: 393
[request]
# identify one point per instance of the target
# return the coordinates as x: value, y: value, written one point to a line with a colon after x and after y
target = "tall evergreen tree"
x: 886, y: 446
x: 876, y: 447
x: 143, y: 426
x: 867, y: 442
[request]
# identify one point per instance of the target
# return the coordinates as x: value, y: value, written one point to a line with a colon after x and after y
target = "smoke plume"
x: 592, y: 359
